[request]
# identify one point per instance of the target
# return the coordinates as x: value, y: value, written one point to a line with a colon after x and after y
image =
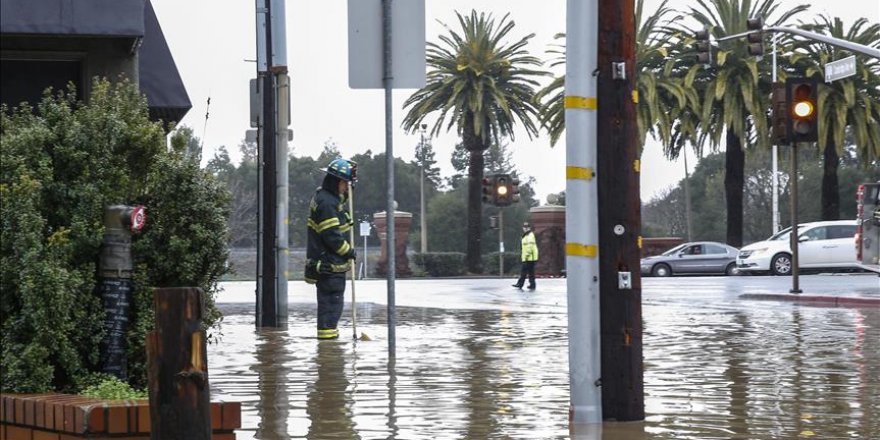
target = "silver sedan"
x: 702, y: 257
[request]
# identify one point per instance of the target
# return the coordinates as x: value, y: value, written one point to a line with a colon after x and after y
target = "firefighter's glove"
x: 351, y: 255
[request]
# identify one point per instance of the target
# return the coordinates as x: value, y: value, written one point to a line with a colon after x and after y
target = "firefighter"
x: 529, y: 257
x: 328, y: 252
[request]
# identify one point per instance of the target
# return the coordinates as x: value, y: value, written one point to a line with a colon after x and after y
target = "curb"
x: 838, y: 301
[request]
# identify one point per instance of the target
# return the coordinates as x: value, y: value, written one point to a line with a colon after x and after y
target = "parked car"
x: 822, y: 245
x: 702, y: 257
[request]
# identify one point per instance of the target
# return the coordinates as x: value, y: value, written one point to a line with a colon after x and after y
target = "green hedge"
x: 61, y: 163
x: 511, y: 263
x: 441, y: 264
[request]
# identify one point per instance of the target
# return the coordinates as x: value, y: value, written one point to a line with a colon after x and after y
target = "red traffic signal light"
x: 780, y: 114
x: 756, y: 36
x: 704, y: 47
x: 488, y: 183
x: 801, y: 98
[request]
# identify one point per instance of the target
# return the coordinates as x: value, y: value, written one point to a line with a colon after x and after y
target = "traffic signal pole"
x: 619, y: 214
x: 581, y: 213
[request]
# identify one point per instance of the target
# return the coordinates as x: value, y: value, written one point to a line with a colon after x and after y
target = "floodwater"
x: 715, y: 367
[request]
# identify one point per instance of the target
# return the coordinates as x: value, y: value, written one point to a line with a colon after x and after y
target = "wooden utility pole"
x: 177, y: 366
x: 619, y: 215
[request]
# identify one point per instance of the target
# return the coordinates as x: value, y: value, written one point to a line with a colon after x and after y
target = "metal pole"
x: 581, y: 218
x: 794, y: 220
x: 389, y: 167
x: 424, y: 220
x: 267, y: 282
x: 365, y: 258
x: 278, y: 67
x: 500, y: 243
x: 849, y: 45
x: 775, y: 154
x: 353, y: 263
x: 687, y: 196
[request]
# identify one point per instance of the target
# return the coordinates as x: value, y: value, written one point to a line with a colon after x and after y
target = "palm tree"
x: 852, y: 103
x: 483, y: 86
x: 656, y: 83
x: 735, y: 98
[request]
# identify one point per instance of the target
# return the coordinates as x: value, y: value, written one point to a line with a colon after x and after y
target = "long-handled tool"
x: 363, y: 337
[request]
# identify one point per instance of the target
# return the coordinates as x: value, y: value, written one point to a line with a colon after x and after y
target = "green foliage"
x: 61, y: 163
x: 112, y: 388
x: 664, y: 216
x: 511, y: 262
x: 441, y: 264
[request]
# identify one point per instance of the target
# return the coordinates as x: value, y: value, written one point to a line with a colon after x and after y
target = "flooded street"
x: 477, y: 359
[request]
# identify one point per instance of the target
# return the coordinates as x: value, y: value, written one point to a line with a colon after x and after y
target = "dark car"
x: 702, y: 257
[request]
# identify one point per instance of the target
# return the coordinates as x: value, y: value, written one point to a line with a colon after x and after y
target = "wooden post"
x: 619, y: 215
x: 177, y: 363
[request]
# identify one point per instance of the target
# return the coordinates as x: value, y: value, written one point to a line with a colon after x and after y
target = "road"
x: 479, y: 359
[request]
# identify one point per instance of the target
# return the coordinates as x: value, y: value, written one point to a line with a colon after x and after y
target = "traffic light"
x: 704, y: 47
x: 780, y: 114
x: 801, y: 100
x: 756, y: 36
x: 488, y: 189
x: 503, y: 190
x: 514, y: 190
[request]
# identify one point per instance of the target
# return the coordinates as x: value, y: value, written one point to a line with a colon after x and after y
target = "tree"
x: 735, y: 97
x: 61, y: 163
x: 484, y: 87
x: 657, y: 85
x: 849, y: 104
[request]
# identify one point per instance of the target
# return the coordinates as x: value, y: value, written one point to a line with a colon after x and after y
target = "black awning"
x: 158, y: 75
x: 111, y: 18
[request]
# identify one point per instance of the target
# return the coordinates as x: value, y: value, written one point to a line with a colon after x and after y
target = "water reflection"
x: 329, y: 401
x: 273, y: 408
x: 713, y: 370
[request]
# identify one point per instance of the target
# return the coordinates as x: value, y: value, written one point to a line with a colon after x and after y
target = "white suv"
x: 823, y: 245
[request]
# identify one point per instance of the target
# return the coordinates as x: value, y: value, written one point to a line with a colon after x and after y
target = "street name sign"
x: 840, y: 69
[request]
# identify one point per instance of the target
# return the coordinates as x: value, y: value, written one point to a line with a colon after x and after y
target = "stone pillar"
x: 402, y: 224
x: 549, y: 225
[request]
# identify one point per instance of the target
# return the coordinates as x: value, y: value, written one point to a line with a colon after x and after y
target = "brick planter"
x: 65, y: 416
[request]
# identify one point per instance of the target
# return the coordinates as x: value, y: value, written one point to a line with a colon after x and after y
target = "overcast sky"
x: 211, y: 42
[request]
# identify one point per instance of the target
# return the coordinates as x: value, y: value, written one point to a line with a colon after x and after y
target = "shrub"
x: 111, y: 388
x: 60, y: 165
x: 441, y: 264
x: 511, y: 263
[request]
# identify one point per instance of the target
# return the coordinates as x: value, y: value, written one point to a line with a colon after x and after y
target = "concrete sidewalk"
x: 859, y: 290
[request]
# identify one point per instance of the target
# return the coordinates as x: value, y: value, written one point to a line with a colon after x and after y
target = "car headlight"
x: 759, y: 251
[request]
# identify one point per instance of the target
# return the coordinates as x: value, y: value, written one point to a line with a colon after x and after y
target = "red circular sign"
x: 138, y: 218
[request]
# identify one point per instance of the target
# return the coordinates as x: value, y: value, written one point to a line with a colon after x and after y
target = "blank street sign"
x: 365, y: 55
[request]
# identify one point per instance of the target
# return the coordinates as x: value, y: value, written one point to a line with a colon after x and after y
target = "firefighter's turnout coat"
x: 328, y: 250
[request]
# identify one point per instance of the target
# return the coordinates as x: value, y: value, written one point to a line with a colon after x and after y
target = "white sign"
x: 840, y: 69
x: 365, y: 54
x: 365, y: 229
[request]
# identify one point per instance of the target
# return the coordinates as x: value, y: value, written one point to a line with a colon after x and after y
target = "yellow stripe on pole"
x: 635, y: 96
x: 580, y: 102
x: 579, y: 173
x: 637, y: 165
x: 640, y: 241
x: 581, y: 250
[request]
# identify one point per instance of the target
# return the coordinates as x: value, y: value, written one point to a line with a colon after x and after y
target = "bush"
x: 111, y: 388
x: 441, y: 264
x: 60, y: 165
x: 511, y: 263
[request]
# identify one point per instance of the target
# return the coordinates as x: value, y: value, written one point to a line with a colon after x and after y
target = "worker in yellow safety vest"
x: 529, y: 257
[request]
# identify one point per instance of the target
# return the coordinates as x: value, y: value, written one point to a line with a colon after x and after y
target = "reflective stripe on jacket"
x: 529, y: 247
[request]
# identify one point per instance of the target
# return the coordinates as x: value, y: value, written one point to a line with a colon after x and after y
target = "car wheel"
x: 731, y: 270
x: 661, y: 270
x: 781, y: 264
